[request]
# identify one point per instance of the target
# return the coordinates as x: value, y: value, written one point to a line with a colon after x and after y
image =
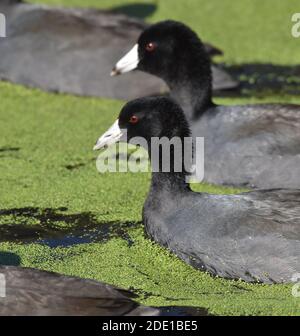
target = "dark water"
x: 138, y: 10
x: 183, y: 311
x: 9, y: 149
x: 258, y: 79
x: 57, y: 228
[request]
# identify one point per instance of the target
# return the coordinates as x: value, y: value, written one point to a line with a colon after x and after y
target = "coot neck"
x: 169, y: 182
x: 190, y: 82
x: 172, y: 180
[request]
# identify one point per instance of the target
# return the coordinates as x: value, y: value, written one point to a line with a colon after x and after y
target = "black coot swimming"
x: 248, y: 145
x: 254, y: 236
x: 32, y: 292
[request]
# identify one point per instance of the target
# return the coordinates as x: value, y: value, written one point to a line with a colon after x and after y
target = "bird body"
x: 253, y: 236
x: 251, y: 147
x: 31, y: 292
x: 70, y: 50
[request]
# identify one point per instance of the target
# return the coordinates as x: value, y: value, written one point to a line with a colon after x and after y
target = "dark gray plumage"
x: 251, y: 236
x: 253, y: 145
x: 32, y: 292
x: 254, y: 236
x: 73, y: 49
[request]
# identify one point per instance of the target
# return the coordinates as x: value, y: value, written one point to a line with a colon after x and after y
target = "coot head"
x: 146, y: 117
x: 158, y: 124
x: 169, y: 50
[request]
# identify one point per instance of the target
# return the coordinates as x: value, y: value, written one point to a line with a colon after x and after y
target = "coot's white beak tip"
x: 127, y: 63
x: 111, y: 136
x: 114, y: 72
x: 96, y: 147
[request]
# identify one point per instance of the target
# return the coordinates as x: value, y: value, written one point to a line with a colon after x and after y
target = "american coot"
x: 249, y: 145
x: 254, y: 236
x: 33, y: 292
x: 71, y: 50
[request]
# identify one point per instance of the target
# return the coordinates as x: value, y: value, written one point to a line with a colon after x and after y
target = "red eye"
x: 133, y: 119
x: 150, y: 46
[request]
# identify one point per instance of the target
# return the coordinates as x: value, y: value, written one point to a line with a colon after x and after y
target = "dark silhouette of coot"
x: 246, y: 145
x: 33, y: 292
x: 254, y: 236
